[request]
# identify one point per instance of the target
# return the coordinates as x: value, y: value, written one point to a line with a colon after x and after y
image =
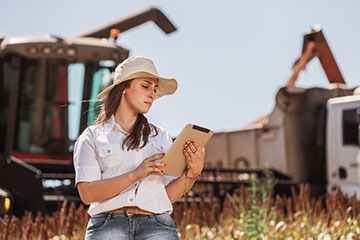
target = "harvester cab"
x: 48, y: 90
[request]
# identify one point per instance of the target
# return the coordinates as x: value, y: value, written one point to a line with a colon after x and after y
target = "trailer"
x: 311, y: 136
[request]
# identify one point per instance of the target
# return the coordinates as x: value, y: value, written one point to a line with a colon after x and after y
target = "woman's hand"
x: 194, y: 156
x: 148, y: 167
x: 100, y: 190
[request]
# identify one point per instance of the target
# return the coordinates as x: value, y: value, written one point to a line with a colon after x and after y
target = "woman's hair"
x: 142, y: 128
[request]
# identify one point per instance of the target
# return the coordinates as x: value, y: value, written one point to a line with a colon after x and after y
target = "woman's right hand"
x: 147, y: 167
x: 100, y: 190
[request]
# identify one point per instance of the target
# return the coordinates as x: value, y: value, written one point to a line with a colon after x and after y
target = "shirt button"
x: 109, y: 150
x: 131, y: 199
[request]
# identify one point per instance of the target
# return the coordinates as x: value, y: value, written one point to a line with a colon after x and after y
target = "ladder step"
x: 55, y: 198
x: 58, y: 175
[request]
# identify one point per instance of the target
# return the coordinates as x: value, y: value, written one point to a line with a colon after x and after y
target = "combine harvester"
x: 38, y: 73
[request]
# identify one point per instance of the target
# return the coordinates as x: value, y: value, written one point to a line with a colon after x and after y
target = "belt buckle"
x: 127, y: 213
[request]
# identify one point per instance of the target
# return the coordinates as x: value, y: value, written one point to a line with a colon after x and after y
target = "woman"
x: 117, y: 160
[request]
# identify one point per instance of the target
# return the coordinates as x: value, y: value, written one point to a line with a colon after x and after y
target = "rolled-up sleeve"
x: 86, y: 164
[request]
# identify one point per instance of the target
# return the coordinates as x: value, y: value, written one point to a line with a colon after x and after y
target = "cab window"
x: 350, y: 127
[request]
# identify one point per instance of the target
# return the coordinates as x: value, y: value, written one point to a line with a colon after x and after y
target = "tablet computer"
x: 174, y: 158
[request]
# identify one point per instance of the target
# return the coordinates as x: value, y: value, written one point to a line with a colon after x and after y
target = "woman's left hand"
x: 194, y: 156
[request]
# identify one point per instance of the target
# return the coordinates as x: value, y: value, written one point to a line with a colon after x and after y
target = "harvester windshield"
x: 49, y: 89
x: 50, y: 102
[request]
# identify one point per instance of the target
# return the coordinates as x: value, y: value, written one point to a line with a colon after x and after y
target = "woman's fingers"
x: 155, y: 157
x: 189, y: 151
x: 156, y: 170
x: 152, y: 169
x: 154, y: 166
x: 187, y: 155
x: 151, y: 166
x: 198, y: 149
x: 194, y: 157
x: 192, y: 146
x: 157, y: 164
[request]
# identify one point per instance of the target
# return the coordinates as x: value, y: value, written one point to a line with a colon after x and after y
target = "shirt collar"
x: 110, y: 124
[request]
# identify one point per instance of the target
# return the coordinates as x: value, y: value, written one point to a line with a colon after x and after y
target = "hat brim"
x: 167, y: 86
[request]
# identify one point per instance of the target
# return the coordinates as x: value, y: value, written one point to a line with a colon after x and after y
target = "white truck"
x: 311, y: 136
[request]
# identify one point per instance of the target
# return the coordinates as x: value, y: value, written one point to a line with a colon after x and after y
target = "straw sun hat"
x: 135, y: 67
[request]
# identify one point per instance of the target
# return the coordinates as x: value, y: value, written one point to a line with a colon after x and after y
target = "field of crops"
x: 251, y: 213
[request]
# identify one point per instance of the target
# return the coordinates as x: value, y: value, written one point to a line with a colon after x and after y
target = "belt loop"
x: 109, y: 216
x: 125, y: 211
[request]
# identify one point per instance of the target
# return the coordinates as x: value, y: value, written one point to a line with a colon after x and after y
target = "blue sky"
x: 229, y: 57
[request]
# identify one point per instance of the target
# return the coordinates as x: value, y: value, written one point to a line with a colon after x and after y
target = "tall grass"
x: 250, y: 213
x: 68, y: 223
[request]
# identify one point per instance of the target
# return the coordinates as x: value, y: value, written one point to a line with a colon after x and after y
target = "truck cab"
x: 343, y: 152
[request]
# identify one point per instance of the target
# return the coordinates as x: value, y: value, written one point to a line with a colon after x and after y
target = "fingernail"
x: 162, y: 171
x: 185, y: 151
x: 163, y: 154
x: 164, y: 164
x: 192, y: 141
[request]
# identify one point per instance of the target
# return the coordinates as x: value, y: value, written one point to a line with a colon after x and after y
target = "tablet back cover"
x: 174, y: 158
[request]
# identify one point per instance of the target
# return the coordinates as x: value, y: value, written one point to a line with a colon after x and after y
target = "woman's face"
x: 141, y: 94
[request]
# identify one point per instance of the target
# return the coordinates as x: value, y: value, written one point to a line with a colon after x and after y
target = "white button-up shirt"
x: 98, y: 154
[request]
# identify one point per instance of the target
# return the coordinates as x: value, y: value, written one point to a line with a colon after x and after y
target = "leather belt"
x: 131, y: 211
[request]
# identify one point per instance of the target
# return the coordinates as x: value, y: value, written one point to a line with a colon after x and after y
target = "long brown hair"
x: 142, y: 128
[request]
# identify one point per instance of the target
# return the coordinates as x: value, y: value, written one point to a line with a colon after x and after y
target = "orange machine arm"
x: 136, y: 19
x: 315, y: 45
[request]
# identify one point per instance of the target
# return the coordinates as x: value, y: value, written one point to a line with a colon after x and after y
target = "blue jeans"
x: 121, y: 226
